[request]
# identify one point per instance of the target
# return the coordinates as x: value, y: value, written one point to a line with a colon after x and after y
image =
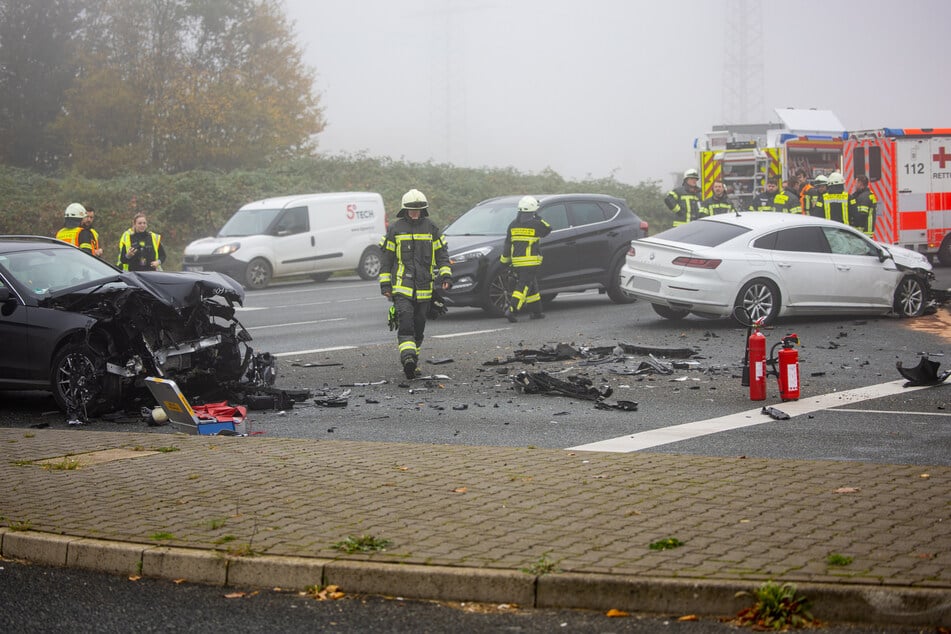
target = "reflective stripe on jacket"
x: 125, y: 243
x: 411, y: 253
x: 522, y: 246
x: 70, y: 236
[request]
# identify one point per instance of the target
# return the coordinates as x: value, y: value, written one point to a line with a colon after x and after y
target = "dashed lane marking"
x: 466, y: 334
x: 314, y: 351
x: 686, y: 431
x: 297, y: 323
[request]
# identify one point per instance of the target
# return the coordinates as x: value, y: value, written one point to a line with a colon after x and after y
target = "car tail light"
x: 644, y: 228
x: 697, y: 263
x: 631, y: 251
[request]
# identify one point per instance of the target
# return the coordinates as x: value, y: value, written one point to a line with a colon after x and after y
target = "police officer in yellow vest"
x: 684, y: 201
x: 73, y: 217
x: 835, y: 202
x: 139, y: 248
x: 522, y: 252
x: 862, y: 205
x: 413, y: 254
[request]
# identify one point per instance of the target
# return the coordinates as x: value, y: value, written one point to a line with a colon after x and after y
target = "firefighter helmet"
x: 528, y: 203
x: 75, y: 210
x: 822, y: 179
x: 691, y: 173
x: 413, y: 199
x: 835, y: 178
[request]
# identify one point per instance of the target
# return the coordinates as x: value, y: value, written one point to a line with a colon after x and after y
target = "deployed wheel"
x: 77, y: 378
x: 615, y: 291
x: 911, y: 297
x: 760, y: 298
x: 498, y: 289
x: 369, y: 267
x: 321, y: 277
x: 669, y: 313
x: 258, y: 274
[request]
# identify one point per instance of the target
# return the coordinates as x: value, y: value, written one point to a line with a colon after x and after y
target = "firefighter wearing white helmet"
x: 685, y: 201
x: 812, y: 201
x: 835, y: 201
x: 73, y: 217
x: 522, y: 252
x: 414, y: 257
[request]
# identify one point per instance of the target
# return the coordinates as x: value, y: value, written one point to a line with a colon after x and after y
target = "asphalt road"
x: 332, y: 339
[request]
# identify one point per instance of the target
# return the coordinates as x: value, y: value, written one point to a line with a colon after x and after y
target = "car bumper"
x: 218, y: 263
x: 707, y: 296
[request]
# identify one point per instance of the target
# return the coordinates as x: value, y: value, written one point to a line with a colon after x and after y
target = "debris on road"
x: 776, y: 414
x: 544, y: 383
x: 925, y: 373
x: 326, y: 398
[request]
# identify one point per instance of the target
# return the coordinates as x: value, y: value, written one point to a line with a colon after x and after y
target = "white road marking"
x: 297, y: 323
x: 676, y: 433
x: 466, y: 334
x: 888, y: 411
x: 314, y: 351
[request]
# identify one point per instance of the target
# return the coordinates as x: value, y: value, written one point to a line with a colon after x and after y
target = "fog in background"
x: 599, y: 88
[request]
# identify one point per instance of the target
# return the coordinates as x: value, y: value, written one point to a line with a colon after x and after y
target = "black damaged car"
x: 89, y: 332
x: 590, y: 237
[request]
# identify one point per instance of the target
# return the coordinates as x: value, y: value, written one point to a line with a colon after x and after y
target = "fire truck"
x: 909, y: 170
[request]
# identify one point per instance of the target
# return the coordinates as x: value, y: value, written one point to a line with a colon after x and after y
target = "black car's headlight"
x: 468, y: 256
x: 227, y: 249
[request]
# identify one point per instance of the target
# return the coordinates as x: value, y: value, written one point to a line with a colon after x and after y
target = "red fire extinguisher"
x: 789, y: 369
x: 756, y: 347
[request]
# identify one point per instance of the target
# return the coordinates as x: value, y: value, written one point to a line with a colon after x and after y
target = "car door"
x: 861, y: 278
x: 294, y: 244
x: 15, y: 355
x: 590, y: 229
x: 558, y: 258
x: 804, y: 267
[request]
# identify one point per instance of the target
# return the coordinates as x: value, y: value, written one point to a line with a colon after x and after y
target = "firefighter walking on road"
x: 522, y: 251
x: 684, y: 201
x: 413, y: 255
x: 862, y: 204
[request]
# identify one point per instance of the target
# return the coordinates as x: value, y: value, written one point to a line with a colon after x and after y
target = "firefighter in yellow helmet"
x: 522, y: 251
x: 413, y: 256
x: 684, y: 201
x: 72, y: 219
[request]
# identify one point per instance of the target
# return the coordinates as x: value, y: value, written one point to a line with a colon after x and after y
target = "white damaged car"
x: 774, y: 264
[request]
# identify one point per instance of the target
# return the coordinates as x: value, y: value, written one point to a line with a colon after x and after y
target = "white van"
x: 309, y: 234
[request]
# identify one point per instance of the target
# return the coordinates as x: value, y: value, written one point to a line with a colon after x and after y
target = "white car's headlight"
x: 227, y: 249
x: 466, y: 256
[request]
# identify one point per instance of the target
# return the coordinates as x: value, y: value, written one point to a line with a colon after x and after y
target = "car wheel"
x: 760, y: 298
x: 498, y: 289
x: 944, y: 251
x: 911, y: 297
x: 77, y: 379
x: 615, y: 290
x: 370, y: 263
x: 667, y: 312
x: 258, y: 274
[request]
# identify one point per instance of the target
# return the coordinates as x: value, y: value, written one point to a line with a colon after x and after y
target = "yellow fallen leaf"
x: 234, y: 595
x: 179, y: 581
x: 612, y: 613
x: 134, y: 578
x: 460, y: 490
x: 925, y: 476
x: 847, y: 490
x: 689, y: 617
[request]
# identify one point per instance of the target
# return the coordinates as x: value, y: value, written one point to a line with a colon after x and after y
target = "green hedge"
x: 190, y: 205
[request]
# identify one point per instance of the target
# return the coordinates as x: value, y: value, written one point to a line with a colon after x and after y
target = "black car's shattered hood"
x: 181, y: 290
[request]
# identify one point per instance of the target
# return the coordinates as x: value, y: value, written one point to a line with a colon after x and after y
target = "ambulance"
x: 909, y: 171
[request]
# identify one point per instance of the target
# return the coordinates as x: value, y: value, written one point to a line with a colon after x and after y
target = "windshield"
x: 248, y: 222
x: 490, y: 219
x: 46, y: 271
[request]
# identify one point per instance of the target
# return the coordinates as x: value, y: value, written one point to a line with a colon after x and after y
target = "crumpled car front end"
x: 179, y: 326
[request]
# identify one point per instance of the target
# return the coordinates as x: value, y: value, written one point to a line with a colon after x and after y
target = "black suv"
x: 590, y: 236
